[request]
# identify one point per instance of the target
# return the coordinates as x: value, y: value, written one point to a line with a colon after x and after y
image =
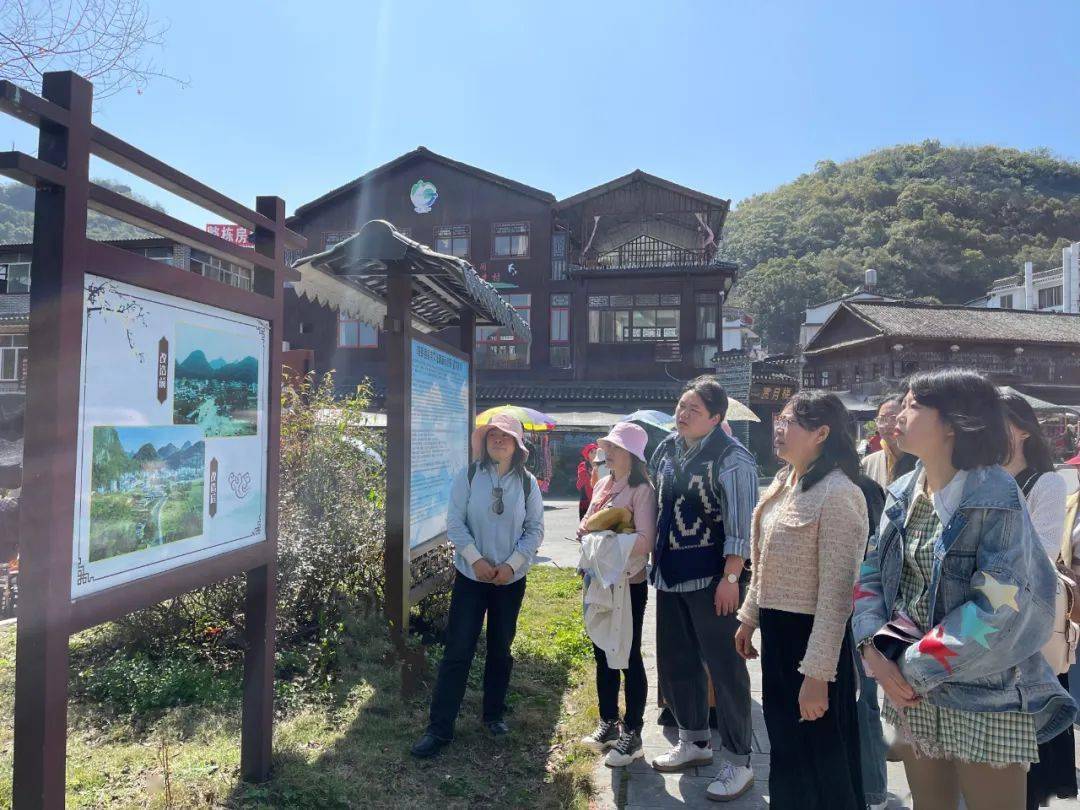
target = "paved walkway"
x: 639, y: 787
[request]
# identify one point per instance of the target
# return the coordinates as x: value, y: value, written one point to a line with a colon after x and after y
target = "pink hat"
x: 1074, y: 461
x: 630, y: 437
x: 500, y: 421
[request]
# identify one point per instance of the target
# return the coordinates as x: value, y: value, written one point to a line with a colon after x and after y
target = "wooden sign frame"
x: 62, y: 256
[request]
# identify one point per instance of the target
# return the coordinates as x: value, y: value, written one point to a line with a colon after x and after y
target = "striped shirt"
x: 735, y: 485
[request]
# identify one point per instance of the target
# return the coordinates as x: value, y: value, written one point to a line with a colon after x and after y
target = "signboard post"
x: 152, y: 435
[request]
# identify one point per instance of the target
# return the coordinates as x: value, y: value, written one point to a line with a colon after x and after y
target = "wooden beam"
x: 50, y: 457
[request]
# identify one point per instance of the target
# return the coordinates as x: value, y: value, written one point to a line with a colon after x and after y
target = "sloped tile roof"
x: 968, y: 323
x: 580, y: 391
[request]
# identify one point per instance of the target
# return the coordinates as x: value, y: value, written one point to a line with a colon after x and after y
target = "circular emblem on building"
x: 423, y: 195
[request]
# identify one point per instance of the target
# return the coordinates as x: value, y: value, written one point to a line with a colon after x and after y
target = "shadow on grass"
x: 367, y: 763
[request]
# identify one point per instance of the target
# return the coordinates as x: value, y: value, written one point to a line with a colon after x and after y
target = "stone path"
x: 639, y: 787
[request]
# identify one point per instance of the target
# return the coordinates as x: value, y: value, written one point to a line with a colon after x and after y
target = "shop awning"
x: 1038, y: 405
x: 352, y: 277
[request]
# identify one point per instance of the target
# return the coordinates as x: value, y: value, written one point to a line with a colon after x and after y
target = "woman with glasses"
x: 496, y: 523
x: 808, y: 534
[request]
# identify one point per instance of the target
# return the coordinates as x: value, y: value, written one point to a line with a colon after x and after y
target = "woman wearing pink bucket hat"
x: 627, y: 486
x: 495, y: 521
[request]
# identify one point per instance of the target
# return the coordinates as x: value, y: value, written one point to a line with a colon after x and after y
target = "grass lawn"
x: 345, y: 745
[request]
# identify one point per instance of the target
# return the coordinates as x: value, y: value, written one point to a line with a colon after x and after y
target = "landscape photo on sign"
x: 146, y: 488
x: 216, y: 381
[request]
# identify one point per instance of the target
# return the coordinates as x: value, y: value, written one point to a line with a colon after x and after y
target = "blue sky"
x: 215, y: 345
x: 133, y: 438
x: 732, y: 98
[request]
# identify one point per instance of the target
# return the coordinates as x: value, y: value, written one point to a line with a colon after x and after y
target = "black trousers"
x: 469, y: 603
x: 635, y: 680
x: 690, y: 639
x: 813, y: 765
x: 1054, y: 775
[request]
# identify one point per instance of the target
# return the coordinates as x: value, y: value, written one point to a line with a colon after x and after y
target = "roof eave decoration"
x: 352, y: 277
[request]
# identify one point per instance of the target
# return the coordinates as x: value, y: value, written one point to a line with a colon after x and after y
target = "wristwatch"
x: 732, y: 578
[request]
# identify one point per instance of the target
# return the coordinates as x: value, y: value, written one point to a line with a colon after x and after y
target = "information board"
x: 440, y: 423
x: 172, y: 434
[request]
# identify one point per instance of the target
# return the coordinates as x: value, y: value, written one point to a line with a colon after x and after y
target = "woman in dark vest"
x: 706, y: 490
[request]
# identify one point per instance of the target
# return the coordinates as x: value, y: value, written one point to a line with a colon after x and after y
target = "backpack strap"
x: 1027, y: 479
x: 1072, y: 506
x: 526, y: 479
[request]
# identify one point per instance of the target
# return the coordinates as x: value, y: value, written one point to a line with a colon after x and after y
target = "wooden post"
x: 260, y: 610
x: 398, y: 449
x: 48, y: 494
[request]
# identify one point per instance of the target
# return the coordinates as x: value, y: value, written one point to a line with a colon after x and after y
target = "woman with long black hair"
x: 955, y: 601
x: 1031, y: 463
x: 807, y: 539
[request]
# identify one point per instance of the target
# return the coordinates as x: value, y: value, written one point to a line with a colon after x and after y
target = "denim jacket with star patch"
x: 991, y: 603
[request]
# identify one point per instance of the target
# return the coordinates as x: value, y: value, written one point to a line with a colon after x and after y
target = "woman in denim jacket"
x: 957, y: 555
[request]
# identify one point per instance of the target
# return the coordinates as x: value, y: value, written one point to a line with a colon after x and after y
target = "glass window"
x: 510, y: 240
x: 708, y: 316
x: 633, y: 325
x: 560, y: 353
x: 1050, y: 297
x: 17, y: 275
x: 13, y: 353
x: 219, y: 270
x: 558, y: 255
x: 1006, y: 302
x: 353, y: 334
x: 496, y: 348
x: 825, y: 379
x: 453, y: 239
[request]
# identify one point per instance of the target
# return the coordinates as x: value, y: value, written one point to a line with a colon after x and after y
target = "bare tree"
x: 106, y: 41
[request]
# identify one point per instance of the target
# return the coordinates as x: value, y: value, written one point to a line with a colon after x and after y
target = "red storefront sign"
x: 231, y: 233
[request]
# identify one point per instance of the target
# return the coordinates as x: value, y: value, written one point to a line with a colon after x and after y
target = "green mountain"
x: 938, y: 223
x: 110, y: 462
x: 17, y: 215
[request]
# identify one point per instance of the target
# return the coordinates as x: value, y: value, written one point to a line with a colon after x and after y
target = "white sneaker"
x: 684, y: 755
x: 731, y: 782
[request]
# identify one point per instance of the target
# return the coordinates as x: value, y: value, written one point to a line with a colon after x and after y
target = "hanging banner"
x: 172, y: 434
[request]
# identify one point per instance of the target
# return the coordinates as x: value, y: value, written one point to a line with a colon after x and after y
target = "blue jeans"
x: 872, y: 747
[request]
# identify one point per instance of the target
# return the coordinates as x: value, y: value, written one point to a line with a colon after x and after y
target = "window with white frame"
x: 453, y: 240
x: 220, y: 270
x: 510, y: 240
x: 1006, y: 302
x: 353, y: 334
x: 13, y: 351
x: 647, y: 318
x: 15, y: 277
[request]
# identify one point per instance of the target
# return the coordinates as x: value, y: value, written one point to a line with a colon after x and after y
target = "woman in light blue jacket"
x: 958, y: 562
x: 496, y: 523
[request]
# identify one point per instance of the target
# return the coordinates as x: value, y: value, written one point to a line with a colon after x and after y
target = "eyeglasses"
x: 497, y: 500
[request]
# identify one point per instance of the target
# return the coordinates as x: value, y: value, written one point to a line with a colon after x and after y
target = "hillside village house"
x: 866, y: 348
x: 1054, y: 290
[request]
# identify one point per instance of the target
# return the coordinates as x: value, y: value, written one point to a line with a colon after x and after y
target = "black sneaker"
x: 605, y: 736
x: 497, y: 728
x: 428, y: 746
x: 626, y: 749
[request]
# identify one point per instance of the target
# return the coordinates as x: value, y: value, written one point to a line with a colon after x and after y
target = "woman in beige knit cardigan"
x: 808, y: 538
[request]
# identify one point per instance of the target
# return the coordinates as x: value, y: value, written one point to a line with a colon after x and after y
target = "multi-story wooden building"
x: 621, y: 284
x: 867, y: 348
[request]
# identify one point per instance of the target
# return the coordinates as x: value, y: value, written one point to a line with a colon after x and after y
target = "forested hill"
x: 17, y: 215
x: 935, y: 222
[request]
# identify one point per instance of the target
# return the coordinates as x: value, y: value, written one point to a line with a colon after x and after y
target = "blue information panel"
x: 440, y: 436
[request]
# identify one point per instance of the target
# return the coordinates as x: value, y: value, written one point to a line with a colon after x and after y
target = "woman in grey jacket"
x: 958, y: 563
